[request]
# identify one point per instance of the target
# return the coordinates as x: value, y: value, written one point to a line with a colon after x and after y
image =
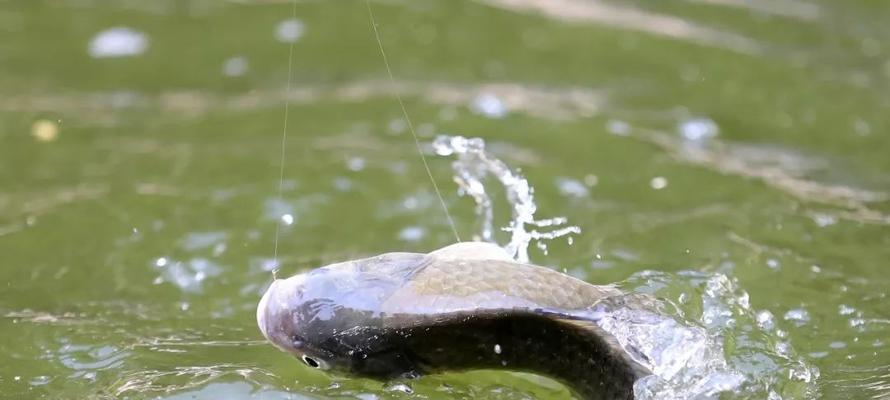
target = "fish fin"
x: 472, y: 251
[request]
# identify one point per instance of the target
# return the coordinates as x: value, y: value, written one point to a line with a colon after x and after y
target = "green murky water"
x: 139, y: 171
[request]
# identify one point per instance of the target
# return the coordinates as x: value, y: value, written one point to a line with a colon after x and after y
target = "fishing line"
x: 290, y: 62
x: 395, y: 91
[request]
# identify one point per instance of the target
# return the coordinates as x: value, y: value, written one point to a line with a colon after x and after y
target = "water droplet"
x: 844, y: 309
x: 823, y: 220
x: 40, y: 380
x: 412, y: 233
x: 400, y: 387
x: 765, y: 320
x: 342, y: 184
x: 837, y: 345
x: 772, y: 263
x: 861, y: 127
x: 798, y: 316
x: 287, y: 219
x: 289, y: 30
x: 618, y: 127
x: 497, y: 349
x: 44, y: 130
x: 235, y: 66
x: 571, y: 187
x: 356, y: 164
x: 856, y: 322
x: 161, y: 262
x: 489, y: 105
x: 698, y: 129
x: 397, y: 126
x: 118, y: 42
x: 658, y: 183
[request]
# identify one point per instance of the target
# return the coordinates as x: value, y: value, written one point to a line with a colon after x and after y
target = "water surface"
x: 140, y: 158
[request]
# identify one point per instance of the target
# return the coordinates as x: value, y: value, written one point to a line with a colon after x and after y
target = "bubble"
x: 497, y: 349
x: 698, y: 129
x: 571, y: 188
x: 342, y: 184
x: 189, y: 275
x: 356, y: 164
x: 118, y: 42
x: 658, y: 183
x: 765, y: 320
x: 44, y: 130
x: 400, y: 387
x: 772, y: 263
x: 861, y: 127
x: 235, y: 66
x: 618, y: 127
x: 202, y: 240
x: 412, y: 233
x: 823, y: 219
x: 798, y: 316
x: 287, y: 219
x: 40, y: 380
x: 489, y: 105
x: 837, y: 345
x: 289, y: 30
x: 844, y: 309
x: 397, y: 126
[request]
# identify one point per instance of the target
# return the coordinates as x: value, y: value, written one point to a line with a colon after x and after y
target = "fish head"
x: 279, y: 320
x: 331, y: 318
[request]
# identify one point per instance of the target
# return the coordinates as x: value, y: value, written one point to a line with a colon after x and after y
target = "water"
x: 687, y: 321
x: 699, y: 140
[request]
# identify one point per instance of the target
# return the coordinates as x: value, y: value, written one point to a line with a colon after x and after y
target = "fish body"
x: 466, y: 306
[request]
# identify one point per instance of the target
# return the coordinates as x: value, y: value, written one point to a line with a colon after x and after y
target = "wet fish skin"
x: 466, y: 306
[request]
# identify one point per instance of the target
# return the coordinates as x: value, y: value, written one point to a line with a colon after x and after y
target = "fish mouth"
x: 263, y: 307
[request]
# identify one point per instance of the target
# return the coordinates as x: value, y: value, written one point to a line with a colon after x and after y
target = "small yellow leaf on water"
x: 45, y: 130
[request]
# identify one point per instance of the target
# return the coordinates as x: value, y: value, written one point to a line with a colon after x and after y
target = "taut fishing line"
x: 395, y: 91
x: 290, y: 62
x: 398, y: 96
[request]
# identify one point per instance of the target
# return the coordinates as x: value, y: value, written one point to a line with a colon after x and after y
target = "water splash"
x: 695, y: 331
x: 705, y: 340
x: 473, y: 164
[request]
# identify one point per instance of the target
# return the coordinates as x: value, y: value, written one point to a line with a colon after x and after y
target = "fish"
x: 463, y: 307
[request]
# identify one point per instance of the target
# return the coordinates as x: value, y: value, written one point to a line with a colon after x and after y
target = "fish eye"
x: 310, y: 361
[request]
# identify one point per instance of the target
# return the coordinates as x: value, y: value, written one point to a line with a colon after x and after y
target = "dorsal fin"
x: 472, y: 251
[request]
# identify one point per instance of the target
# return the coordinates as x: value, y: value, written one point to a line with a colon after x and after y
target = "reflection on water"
x: 735, y: 148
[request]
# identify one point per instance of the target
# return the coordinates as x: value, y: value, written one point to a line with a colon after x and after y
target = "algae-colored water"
x: 139, y: 171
